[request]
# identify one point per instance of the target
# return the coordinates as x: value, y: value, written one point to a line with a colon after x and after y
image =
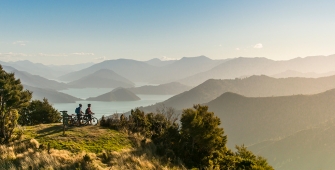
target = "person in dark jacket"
x: 88, y: 113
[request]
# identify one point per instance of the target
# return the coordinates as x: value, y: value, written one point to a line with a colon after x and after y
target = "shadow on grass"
x: 50, y: 130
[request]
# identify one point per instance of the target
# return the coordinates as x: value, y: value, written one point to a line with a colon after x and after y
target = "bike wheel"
x: 94, y: 121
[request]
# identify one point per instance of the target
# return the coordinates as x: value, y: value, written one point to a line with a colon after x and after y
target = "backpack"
x: 77, y: 110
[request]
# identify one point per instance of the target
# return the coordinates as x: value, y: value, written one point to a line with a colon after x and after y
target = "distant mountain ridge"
x: 162, y: 89
x: 46, y: 71
x: 159, y: 63
x: 242, y: 67
x: 137, y: 71
x: 103, y: 78
x: 53, y: 96
x: 118, y: 94
x: 254, y: 86
x: 130, y: 69
x: 35, y: 80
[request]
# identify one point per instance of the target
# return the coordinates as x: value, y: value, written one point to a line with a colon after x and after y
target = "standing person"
x: 89, y: 113
x: 79, y: 112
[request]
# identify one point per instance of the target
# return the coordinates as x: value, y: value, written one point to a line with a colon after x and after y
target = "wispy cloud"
x: 22, y: 43
x: 100, y: 58
x: 82, y: 53
x: 53, y: 55
x: 258, y: 46
x: 11, y: 54
x: 164, y: 58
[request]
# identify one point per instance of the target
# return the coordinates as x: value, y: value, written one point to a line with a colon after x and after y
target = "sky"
x: 71, y: 31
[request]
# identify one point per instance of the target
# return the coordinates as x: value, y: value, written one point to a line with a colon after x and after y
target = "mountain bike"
x: 86, y: 120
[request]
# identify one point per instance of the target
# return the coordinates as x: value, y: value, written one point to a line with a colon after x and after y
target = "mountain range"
x: 162, y: 89
x: 254, y: 86
x: 53, y: 96
x: 103, y: 78
x: 244, y: 67
x: 46, y: 71
x: 35, y: 80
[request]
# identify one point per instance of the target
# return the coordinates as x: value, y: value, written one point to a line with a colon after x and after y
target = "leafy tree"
x: 201, y: 136
x: 39, y: 112
x: 12, y: 99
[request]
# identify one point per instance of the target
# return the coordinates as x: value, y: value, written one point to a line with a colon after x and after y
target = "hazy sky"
x: 69, y: 31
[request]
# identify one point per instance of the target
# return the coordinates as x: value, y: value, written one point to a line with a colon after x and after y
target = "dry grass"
x: 29, y: 153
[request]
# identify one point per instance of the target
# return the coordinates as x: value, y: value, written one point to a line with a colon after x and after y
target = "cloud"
x: 237, y: 49
x: 258, y: 46
x: 11, y: 54
x: 53, y: 55
x: 81, y: 53
x: 22, y: 43
x: 100, y: 58
x: 164, y: 58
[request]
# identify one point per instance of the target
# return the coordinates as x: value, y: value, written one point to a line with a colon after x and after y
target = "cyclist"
x: 79, y: 112
x: 88, y: 113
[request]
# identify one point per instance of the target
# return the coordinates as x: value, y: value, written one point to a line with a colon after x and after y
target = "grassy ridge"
x: 82, y: 148
x: 87, y: 138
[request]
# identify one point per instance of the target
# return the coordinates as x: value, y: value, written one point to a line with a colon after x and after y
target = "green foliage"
x: 199, y: 143
x: 12, y: 99
x: 39, y: 112
x: 201, y: 136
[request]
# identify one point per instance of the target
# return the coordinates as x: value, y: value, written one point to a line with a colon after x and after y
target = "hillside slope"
x: 249, y: 120
x: 308, y: 149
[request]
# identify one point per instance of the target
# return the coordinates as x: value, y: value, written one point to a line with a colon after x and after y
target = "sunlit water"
x: 106, y: 108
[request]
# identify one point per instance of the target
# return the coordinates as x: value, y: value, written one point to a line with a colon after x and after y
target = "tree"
x: 201, y: 136
x: 12, y: 99
x: 203, y: 144
x: 39, y: 112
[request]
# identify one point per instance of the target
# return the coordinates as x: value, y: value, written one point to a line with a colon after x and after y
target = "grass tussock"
x: 30, y: 153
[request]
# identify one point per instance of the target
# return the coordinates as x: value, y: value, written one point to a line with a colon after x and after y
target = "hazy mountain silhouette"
x: 157, y: 62
x: 249, y: 120
x: 118, y: 94
x: 292, y: 73
x: 46, y: 71
x: 186, y: 66
x: 138, y: 71
x: 169, y: 88
x: 53, y: 96
x: 308, y: 149
x: 103, y: 78
x: 135, y: 71
x: 34, y: 80
x: 241, y: 67
x: 254, y: 86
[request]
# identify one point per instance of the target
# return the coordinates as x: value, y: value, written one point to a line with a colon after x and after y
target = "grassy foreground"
x: 86, y: 138
x: 87, y: 147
